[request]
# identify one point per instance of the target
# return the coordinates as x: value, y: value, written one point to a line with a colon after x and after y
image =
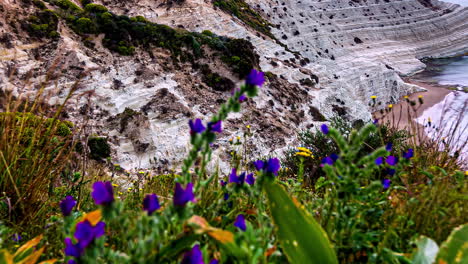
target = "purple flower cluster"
x: 330, y: 160
x: 85, y: 234
x: 271, y: 166
x: 195, y: 256
x: 197, y: 127
x: 240, y: 179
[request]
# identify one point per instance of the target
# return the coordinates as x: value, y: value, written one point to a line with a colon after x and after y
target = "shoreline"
x: 434, y: 94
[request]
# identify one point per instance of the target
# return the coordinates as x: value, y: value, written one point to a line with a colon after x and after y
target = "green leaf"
x: 427, y: 251
x: 301, y: 237
x: 455, y: 248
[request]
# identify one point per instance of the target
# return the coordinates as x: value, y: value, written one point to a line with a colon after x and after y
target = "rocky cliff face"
x: 325, y: 58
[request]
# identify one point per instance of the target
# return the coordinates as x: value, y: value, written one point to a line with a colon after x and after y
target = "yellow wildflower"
x: 248, y: 126
x: 420, y: 96
x: 141, y: 172
x: 390, y: 106
x: 93, y: 217
x: 115, y: 185
x: 304, y: 154
x: 466, y: 173
x: 230, y: 140
x: 406, y: 97
x: 304, y: 150
x: 238, y: 138
x: 373, y: 97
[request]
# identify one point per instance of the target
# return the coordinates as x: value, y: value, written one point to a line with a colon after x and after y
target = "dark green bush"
x: 98, y: 148
x: 42, y: 24
x: 84, y: 25
x: 95, y: 8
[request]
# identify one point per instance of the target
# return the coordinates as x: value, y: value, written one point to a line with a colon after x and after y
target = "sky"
x: 460, y: 2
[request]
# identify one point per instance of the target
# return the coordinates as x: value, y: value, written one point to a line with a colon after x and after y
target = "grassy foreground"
x: 363, y: 194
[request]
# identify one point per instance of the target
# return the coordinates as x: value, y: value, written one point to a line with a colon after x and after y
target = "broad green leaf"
x: 455, y: 249
x: 427, y: 251
x: 301, y: 237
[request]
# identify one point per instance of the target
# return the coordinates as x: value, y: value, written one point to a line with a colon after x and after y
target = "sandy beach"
x: 399, y: 115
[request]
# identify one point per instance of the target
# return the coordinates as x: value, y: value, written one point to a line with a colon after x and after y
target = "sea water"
x: 448, y: 120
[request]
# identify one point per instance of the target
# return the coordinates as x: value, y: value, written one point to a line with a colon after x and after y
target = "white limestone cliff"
x: 356, y: 48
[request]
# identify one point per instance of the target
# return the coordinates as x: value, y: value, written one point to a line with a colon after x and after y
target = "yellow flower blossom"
x: 466, y: 173
x: 390, y: 106
x: 238, y: 138
x: 304, y: 150
x: 304, y: 154
x: 373, y: 97
x: 406, y: 97
x: 248, y: 126
x: 420, y: 96
x: 115, y: 185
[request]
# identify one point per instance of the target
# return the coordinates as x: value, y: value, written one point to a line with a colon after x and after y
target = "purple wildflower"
x: 391, y: 172
x: 271, y: 166
x: 242, y: 98
x: 71, y: 261
x: 215, y: 127
x: 223, y: 183
x: 16, y: 237
x: 259, y: 165
x: 237, y: 179
x: 196, y: 127
x: 183, y: 196
x: 391, y: 160
x: 327, y: 160
x: 409, y: 154
x: 375, y: 122
x: 103, y: 193
x: 334, y: 157
x: 72, y: 250
x: 194, y: 256
x: 389, y: 146
x: 255, y: 78
x: 214, y: 261
x: 85, y: 233
x: 240, y: 222
x: 324, y: 129
x: 379, y: 161
x: 67, y: 204
x: 226, y: 196
x: 151, y: 203
x: 386, y: 183
x: 250, y: 179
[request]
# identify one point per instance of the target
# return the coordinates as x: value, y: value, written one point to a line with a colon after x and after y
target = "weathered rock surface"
x: 328, y: 58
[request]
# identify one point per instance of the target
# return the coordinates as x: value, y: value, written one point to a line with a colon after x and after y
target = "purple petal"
x: 215, y: 127
x: 250, y: 179
x: 392, y: 160
x: 193, y: 256
x: 327, y: 160
x: 151, y: 203
x: 391, y: 172
x: 226, y: 196
x: 242, y: 98
x: 378, y: 161
x: 386, y: 183
x: 324, y: 129
x: 389, y: 146
x: 334, y: 157
x: 181, y: 196
x: 84, y: 233
x: 103, y: 193
x: 71, y: 249
x: 99, y: 230
x: 240, y: 222
x: 273, y: 166
x: 233, y: 176
x: 409, y: 154
x: 255, y: 78
x: 196, y: 127
x: 214, y: 261
x: 259, y: 164
x: 66, y: 205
